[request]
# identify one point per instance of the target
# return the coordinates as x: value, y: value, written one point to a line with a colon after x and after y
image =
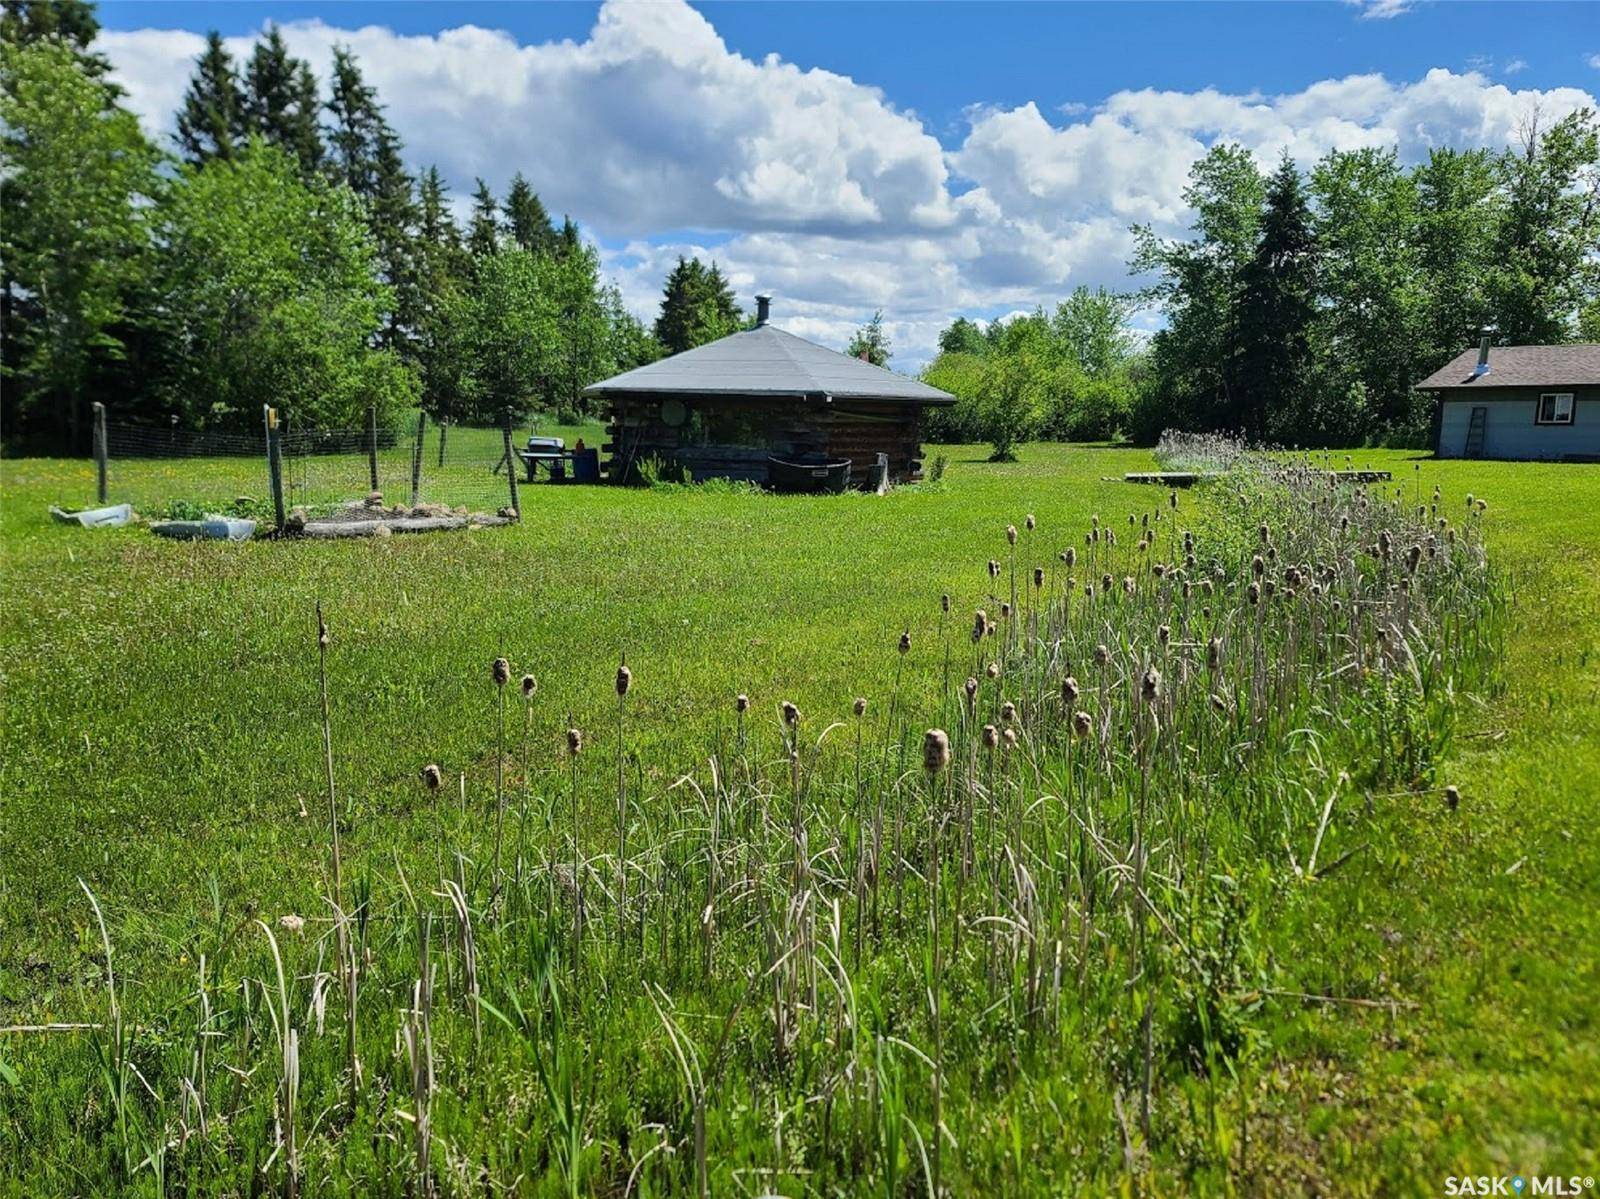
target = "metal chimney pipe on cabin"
x: 763, y: 310
x: 1483, y: 356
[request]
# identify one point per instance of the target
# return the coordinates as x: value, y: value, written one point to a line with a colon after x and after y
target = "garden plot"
x: 371, y: 517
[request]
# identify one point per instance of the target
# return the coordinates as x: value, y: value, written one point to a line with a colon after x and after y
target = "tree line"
x: 1303, y: 306
x: 280, y: 252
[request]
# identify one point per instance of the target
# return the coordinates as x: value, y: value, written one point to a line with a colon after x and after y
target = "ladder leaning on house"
x: 1474, y: 446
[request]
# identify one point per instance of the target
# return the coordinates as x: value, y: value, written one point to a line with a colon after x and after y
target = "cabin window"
x: 1555, y: 408
x: 726, y: 426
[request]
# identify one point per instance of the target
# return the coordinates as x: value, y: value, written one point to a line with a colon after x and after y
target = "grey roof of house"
x: 766, y: 362
x: 1520, y: 366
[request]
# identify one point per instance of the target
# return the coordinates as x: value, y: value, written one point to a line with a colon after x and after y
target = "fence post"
x: 416, y: 457
x: 274, y: 463
x: 444, y: 430
x: 372, y: 444
x: 511, y: 468
x: 100, y: 451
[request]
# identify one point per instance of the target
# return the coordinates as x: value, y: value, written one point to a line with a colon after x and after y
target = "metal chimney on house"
x: 1483, y: 357
x: 763, y: 310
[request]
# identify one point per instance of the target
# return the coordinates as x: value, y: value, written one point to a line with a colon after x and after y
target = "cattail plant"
x: 624, y: 682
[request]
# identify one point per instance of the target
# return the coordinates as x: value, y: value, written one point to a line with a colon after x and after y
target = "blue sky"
x: 928, y: 159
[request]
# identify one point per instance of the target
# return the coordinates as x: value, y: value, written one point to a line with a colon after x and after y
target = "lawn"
x: 162, y: 742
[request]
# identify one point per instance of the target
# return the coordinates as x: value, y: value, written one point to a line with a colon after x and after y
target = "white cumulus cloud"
x: 818, y: 187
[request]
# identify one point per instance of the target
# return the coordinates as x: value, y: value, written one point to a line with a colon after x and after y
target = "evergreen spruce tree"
x: 392, y: 217
x: 281, y: 103
x: 568, y: 241
x: 439, y: 346
x: 526, y: 218
x: 70, y: 23
x: 871, y: 342
x: 1277, y: 309
x: 483, y: 233
x: 697, y: 306
x: 357, y: 125
x: 210, y: 120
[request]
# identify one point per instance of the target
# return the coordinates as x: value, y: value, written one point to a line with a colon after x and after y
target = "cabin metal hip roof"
x: 1519, y: 366
x: 767, y: 363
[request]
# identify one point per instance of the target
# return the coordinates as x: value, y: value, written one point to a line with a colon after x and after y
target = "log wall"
x: 790, y: 428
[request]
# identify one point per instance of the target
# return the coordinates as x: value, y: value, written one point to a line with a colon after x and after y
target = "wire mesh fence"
x: 413, y: 463
x: 167, y: 471
x: 422, y: 464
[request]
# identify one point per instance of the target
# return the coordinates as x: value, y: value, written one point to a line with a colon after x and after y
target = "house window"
x: 1555, y: 408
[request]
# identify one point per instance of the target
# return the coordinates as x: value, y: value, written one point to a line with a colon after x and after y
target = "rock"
x: 296, y: 520
x: 508, y: 512
x: 383, y: 531
x: 374, y: 499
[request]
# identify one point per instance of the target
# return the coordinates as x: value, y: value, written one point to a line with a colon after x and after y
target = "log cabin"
x: 745, y: 405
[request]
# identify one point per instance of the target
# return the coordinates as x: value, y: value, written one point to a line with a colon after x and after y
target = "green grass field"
x: 162, y: 742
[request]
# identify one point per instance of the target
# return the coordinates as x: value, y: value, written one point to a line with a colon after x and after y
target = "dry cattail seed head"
x: 1164, y: 634
x: 1005, y: 610
x: 529, y: 686
x: 1452, y: 797
x: 905, y: 642
x: 791, y: 714
x: 993, y: 670
x: 1102, y: 655
x: 1082, y: 722
x: 1070, y: 557
x: 500, y: 672
x: 1069, y: 691
x: 944, y: 602
x: 1009, y: 738
x: 1030, y: 522
x: 574, y: 742
x: 1257, y: 566
x: 1008, y: 712
x: 1214, y: 653
x: 1482, y: 506
x: 971, y: 688
x: 432, y: 777
x: 1127, y: 584
x: 1150, y: 685
x: 1253, y: 593
x: 741, y: 702
x: 980, y: 624
x: 1172, y: 499
x: 1038, y: 576
x: 860, y: 706
x: 994, y: 568
x: 935, y: 751
x: 1264, y: 533
x: 991, y: 737
x: 624, y: 680
x: 1105, y: 583
x: 1011, y: 534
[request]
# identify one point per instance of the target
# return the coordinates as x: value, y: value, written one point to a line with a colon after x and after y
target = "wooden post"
x: 372, y: 444
x: 416, y: 457
x: 100, y: 451
x: 274, y: 464
x: 444, y: 430
x: 511, y: 468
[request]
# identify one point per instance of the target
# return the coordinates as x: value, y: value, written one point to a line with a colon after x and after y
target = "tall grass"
x: 1155, y: 753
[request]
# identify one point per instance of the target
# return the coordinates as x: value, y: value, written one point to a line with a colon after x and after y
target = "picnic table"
x: 560, y: 463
